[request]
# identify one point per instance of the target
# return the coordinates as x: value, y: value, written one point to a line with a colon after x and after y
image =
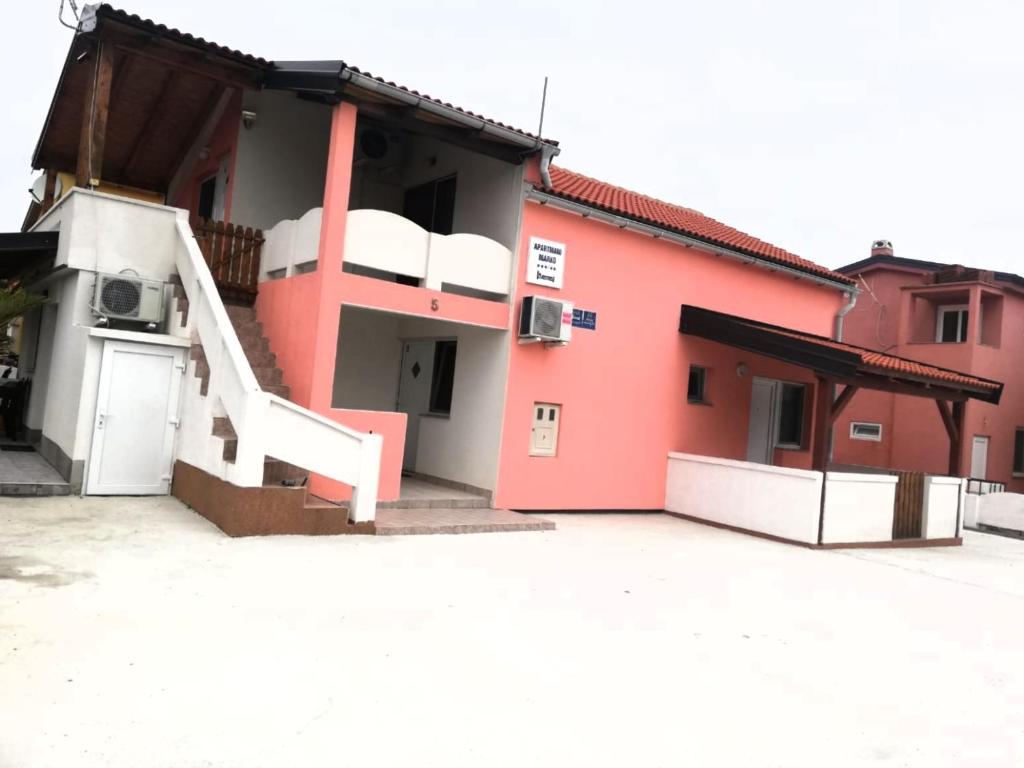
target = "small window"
x: 443, y: 381
x: 695, y: 388
x: 951, y: 324
x: 1018, y: 451
x: 866, y: 430
x: 791, y: 416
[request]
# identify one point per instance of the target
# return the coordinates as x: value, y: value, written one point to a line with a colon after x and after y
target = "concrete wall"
x: 622, y: 387
x: 942, y: 507
x: 1000, y: 510
x: 282, y: 160
x: 462, y: 447
x: 369, y: 356
x: 774, y: 500
x: 858, y: 507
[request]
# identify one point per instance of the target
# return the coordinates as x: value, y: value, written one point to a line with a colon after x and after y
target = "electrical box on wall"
x: 547, y: 320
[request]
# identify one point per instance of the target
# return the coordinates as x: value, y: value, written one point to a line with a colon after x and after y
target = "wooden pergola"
x: 842, y: 370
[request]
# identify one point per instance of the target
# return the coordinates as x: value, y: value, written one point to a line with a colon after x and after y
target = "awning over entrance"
x: 852, y: 367
x: 25, y: 252
x: 840, y: 362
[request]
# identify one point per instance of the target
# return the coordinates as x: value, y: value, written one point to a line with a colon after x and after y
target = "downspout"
x: 837, y: 334
x: 851, y: 297
x: 547, y: 152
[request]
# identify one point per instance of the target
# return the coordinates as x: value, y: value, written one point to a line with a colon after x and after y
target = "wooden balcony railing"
x: 232, y: 252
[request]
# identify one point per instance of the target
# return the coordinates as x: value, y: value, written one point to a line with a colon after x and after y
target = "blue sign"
x: 582, y: 318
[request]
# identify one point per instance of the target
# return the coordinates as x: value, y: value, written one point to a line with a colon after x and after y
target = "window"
x: 951, y: 324
x: 791, y: 416
x: 695, y: 388
x: 432, y: 205
x: 443, y: 381
x: 1018, y: 451
x: 866, y: 430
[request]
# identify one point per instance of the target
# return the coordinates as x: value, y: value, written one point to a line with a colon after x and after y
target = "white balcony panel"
x: 386, y: 241
x: 469, y: 261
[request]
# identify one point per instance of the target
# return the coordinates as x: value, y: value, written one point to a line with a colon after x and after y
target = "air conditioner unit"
x: 545, y: 320
x: 376, y: 148
x: 124, y: 297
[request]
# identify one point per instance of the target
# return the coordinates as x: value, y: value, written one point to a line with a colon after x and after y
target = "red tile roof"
x: 633, y: 205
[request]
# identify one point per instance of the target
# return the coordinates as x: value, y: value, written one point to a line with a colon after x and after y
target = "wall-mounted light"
x: 204, y: 153
x: 248, y: 119
x: 742, y: 370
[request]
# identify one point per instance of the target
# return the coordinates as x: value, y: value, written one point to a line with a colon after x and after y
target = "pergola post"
x: 95, y: 109
x: 954, y: 424
x: 822, y: 432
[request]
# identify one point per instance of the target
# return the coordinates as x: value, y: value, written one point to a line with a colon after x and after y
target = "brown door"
x: 909, y: 507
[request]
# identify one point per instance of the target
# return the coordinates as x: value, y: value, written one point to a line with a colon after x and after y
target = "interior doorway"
x: 425, y: 387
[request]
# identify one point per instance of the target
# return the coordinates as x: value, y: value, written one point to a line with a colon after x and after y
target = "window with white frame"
x: 951, y: 323
x: 866, y: 430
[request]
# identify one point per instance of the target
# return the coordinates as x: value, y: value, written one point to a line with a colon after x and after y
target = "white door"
x: 414, y: 393
x: 136, y: 417
x: 979, y: 457
x: 544, y: 433
x: 761, y: 435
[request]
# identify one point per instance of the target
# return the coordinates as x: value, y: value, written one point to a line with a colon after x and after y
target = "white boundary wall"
x: 858, y: 507
x: 1001, y: 510
x: 774, y: 500
x: 942, y: 503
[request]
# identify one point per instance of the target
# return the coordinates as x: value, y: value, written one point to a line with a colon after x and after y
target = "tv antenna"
x: 74, y: 11
x: 543, y: 103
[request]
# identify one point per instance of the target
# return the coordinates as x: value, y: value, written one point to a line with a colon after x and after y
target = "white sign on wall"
x: 545, y: 264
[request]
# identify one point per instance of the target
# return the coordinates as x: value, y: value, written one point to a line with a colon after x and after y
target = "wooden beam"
x: 842, y: 401
x: 947, y: 419
x: 195, y: 130
x: 203, y: 65
x: 49, y: 191
x: 956, y: 445
x: 149, y: 123
x: 94, y: 119
x: 822, y: 431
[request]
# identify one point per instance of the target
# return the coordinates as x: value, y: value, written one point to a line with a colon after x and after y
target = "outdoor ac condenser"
x: 123, y: 297
x: 545, y: 320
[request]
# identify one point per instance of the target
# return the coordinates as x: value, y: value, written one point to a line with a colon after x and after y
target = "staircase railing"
x: 266, y: 424
x: 232, y: 252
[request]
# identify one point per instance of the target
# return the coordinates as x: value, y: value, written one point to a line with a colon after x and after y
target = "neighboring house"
x: 948, y: 315
x: 406, y: 288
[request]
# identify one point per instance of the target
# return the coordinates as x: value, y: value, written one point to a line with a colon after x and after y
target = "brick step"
x: 267, y: 375
x: 222, y: 428
x: 278, y: 389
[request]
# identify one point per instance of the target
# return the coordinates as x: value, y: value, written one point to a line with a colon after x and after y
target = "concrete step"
x: 429, y: 520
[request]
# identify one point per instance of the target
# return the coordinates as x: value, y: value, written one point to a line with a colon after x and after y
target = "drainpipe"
x: 547, y: 152
x: 837, y: 334
x: 851, y: 297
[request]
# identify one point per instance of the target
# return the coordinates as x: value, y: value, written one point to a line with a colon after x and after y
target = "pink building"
x: 950, y: 316
x: 397, y: 293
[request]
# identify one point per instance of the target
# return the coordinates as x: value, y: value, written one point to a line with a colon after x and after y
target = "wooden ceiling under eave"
x: 160, y: 96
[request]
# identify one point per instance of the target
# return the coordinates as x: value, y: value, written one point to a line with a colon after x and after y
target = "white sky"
x: 818, y: 126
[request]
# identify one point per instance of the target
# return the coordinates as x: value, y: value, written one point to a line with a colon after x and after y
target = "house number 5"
x: 435, y: 304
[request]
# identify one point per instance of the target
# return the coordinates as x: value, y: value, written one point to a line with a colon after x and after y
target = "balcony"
x: 390, y: 247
